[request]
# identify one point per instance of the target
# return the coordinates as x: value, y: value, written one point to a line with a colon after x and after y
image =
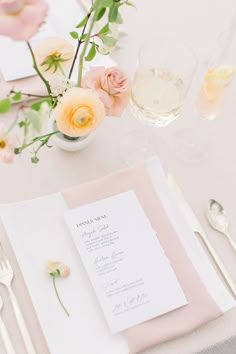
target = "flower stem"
x: 29, y: 94
x: 35, y: 66
x: 39, y: 138
x: 63, y: 73
x: 78, y: 46
x: 58, y: 297
x: 81, y: 60
x: 12, y: 125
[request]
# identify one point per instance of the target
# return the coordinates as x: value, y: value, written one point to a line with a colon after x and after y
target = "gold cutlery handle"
x: 21, y: 323
x: 220, y: 265
x: 6, y: 339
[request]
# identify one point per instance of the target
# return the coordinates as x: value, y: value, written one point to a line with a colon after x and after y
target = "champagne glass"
x: 163, y: 76
x: 218, y: 76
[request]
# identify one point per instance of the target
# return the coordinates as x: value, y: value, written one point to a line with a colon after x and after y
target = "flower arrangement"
x: 78, y: 107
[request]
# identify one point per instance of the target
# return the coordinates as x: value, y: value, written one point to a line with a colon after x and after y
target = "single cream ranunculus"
x: 52, y: 52
x: 79, y: 112
x: 57, y: 269
x: 21, y: 19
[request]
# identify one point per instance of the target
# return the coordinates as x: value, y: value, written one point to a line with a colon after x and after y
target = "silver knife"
x: 195, y: 225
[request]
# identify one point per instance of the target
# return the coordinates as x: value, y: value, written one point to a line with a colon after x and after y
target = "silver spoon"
x: 218, y: 219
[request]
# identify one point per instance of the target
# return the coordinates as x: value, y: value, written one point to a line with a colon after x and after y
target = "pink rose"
x: 113, y: 87
x: 21, y: 19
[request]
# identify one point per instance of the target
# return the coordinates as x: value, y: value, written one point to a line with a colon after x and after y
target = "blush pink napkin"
x: 201, y: 308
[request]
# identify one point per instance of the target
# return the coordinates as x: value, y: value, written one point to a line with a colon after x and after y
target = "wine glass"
x: 163, y: 76
x: 162, y: 79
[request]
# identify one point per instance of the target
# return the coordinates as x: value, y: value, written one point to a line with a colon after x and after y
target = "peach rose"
x: 113, y: 87
x: 79, y: 112
x: 52, y: 268
x: 53, y: 48
x: 21, y: 19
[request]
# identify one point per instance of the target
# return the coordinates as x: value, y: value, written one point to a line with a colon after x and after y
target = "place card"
x: 15, y: 59
x: 129, y: 271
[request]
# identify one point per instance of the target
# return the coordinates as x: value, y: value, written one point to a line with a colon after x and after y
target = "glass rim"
x: 170, y: 39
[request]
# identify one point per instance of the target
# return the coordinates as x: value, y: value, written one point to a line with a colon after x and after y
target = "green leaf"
x: 92, y: 52
x: 113, y: 13
x: 17, y: 151
x: 74, y: 35
x: 109, y: 41
x: 5, y: 105
x: 22, y: 124
x: 119, y: 19
x: 83, y: 37
x: 34, y: 159
x: 35, y: 119
x: 83, y: 22
x: 101, y: 13
x: 17, y: 96
x: 104, y: 50
x: 37, y: 105
x: 106, y: 3
x: 104, y: 30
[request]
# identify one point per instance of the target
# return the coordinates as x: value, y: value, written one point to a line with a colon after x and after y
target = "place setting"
x: 111, y: 280
x: 118, y: 264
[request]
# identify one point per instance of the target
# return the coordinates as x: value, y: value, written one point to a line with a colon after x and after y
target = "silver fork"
x: 4, y: 333
x: 6, y: 277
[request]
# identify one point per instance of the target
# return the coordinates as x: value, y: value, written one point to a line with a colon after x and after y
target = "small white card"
x: 130, y: 273
x: 15, y: 59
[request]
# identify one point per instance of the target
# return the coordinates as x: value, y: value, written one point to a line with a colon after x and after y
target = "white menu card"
x: 129, y: 271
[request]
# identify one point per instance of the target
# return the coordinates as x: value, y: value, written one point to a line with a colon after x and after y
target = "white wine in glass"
x: 162, y: 79
x: 158, y: 95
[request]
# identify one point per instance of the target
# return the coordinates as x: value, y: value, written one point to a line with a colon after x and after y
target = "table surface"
x: 199, y: 23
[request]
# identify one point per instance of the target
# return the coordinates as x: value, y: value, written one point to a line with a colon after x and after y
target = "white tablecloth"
x: 200, y: 23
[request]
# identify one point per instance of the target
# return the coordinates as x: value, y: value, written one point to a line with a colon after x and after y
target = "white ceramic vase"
x: 67, y: 143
